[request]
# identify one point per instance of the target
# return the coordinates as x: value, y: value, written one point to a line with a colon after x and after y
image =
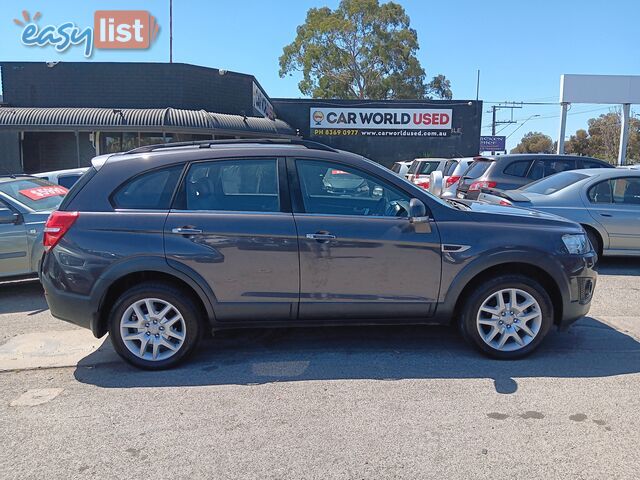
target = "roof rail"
x: 208, y: 143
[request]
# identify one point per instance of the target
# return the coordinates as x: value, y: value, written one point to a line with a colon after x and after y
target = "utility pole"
x: 494, y: 122
x: 170, y: 31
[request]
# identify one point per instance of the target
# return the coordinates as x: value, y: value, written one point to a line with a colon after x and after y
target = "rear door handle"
x: 186, y: 231
x: 605, y: 214
x: 320, y: 236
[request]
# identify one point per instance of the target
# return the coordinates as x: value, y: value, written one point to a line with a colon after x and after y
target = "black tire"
x: 182, y: 302
x: 596, y: 243
x: 475, y: 299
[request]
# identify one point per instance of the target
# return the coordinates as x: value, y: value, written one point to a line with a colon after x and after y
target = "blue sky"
x: 520, y: 47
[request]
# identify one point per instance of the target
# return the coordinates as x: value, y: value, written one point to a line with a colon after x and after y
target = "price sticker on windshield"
x: 38, y: 193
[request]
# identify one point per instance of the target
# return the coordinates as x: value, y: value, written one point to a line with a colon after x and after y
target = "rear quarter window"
x: 518, y: 169
x: 151, y: 190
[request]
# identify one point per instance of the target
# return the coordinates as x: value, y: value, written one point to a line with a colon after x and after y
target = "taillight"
x: 57, y: 225
x: 424, y: 185
x: 478, y: 185
x: 451, y: 180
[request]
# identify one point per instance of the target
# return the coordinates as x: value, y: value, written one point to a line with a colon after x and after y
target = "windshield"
x: 35, y: 193
x: 554, y: 183
x: 477, y: 168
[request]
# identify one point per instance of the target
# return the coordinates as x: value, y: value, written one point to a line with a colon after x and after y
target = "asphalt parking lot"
x: 392, y: 402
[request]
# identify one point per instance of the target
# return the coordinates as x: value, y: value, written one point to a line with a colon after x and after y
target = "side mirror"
x: 8, y: 216
x: 436, y: 183
x: 418, y: 216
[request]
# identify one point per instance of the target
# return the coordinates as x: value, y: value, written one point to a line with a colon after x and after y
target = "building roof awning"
x: 140, y: 120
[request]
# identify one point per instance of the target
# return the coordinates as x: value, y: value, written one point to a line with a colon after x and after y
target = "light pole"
x: 170, y: 31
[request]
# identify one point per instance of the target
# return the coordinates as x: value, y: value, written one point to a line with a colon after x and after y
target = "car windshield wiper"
x: 457, y: 204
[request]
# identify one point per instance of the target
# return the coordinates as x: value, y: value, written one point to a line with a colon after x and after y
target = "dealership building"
x: 59, y: 115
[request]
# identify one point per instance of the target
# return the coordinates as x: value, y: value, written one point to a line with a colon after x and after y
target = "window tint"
x: 545, y: 167
x: 449, y: 167
x: 600, y: 192
x: 478, y: 168
x: 553, y: 184
x: 333, y: 189
x: 67, y: 181
x: 517, y: 169
x: 626, y: 190
x: 149, y: 191
x: 592, y: 164
x: 240, y: 185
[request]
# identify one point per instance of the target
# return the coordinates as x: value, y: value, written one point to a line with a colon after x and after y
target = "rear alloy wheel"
x: 154, y: 326
x: 507, y: 317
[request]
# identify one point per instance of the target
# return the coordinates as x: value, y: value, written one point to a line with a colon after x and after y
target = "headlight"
x: 576, y: 244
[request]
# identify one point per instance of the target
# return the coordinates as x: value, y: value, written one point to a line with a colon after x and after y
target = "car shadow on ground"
x: 22, y: 296
x: 248, y: 357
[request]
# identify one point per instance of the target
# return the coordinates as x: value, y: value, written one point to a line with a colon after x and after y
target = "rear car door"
x: 232, y: 224
x: 615, y: 204
x: 14, y: 259
x: 360, y: 257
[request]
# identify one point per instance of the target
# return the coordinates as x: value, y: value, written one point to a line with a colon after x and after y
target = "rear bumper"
x: 70, y: 307
x: 582, y: 277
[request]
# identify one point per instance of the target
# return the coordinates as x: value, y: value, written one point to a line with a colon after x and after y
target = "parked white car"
x: 402, y: 168
x: 453, y: 172
x: 65, y: 178
x: 421, y: 168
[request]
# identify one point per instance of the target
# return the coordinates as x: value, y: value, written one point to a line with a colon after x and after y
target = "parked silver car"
x: 605, y: 201
x: 25, y: 205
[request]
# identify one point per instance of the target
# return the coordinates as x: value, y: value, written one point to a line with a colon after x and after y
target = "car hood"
x: 513, y: 211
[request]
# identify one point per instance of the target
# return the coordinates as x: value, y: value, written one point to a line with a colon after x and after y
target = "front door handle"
x: 605, y: 214
x: 320, y: 236
x: 186, y: 231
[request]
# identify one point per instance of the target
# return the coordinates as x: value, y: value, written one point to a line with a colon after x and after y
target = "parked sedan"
x: 514, y: 171
x: 605, y: 201
x: 25, y: 205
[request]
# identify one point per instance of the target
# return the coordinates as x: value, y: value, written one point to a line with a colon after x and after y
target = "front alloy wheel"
x: 507, y: 316
x: 509, y: 319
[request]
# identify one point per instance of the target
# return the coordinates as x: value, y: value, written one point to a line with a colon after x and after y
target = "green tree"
x: 602, y: 140
x: 534, y: 142
x: 360, y: 50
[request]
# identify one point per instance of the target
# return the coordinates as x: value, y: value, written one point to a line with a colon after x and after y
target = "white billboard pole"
x: 624, y: 133
x: 563, y: 125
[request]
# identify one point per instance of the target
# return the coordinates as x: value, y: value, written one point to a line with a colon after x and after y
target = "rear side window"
x: 478, y: 168
x: 149, y: 191
x: 449, y: 167
x: 517, y: 169
x: 242, y: 185
x: 592, y: 164
x: 396, y: 167
x: 601, y: 192
x: 545, y: 167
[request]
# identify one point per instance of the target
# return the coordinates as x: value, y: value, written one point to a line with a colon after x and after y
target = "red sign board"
x: 38, y: 193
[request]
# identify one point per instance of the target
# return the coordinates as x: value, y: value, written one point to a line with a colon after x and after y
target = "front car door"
x: 360, y: 257
x: 232, y: 224
x: 14, y: 258
x: 615, y: 204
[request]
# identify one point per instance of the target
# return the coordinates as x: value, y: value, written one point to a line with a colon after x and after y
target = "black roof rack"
x: 208, y: 143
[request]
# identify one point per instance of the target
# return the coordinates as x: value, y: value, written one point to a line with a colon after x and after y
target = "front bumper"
x: 582, y: 277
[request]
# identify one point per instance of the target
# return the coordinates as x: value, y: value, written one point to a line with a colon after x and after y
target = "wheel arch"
x: 121, y: 277
x: 598, y: 233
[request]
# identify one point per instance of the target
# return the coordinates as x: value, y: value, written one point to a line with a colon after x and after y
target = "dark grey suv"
x: 509, y: 172
x: 160, y: 244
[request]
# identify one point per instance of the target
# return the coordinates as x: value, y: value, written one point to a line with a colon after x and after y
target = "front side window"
x: 241, y: 185
x: 149, y: 191
x: 626, y: 190
x: 334, y: 189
